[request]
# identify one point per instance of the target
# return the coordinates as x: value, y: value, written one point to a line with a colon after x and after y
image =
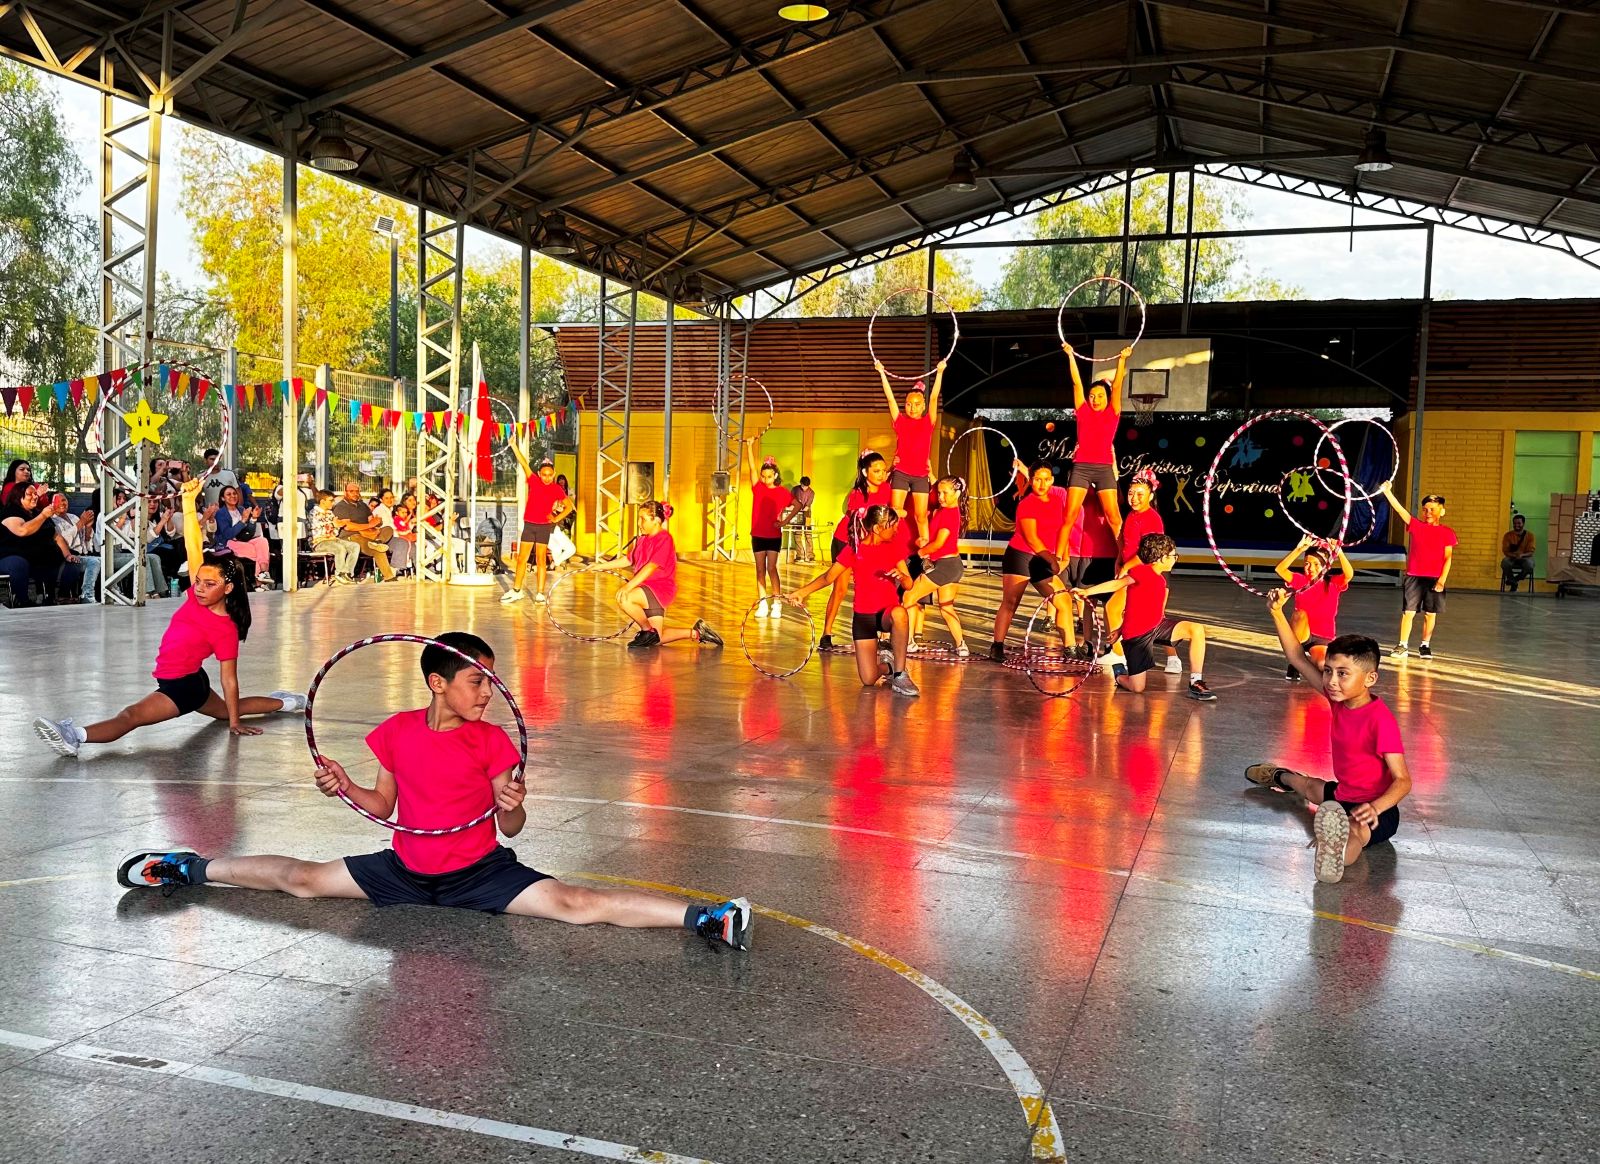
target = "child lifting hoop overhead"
x: 1094, y: 462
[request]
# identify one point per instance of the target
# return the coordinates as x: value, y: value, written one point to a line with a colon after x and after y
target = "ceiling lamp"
x: 556, y: 238
x: 1375, y: 153
x: 331, y: 151
x: 961, y: 180
x: 692, y: 291
x: 803, y: 13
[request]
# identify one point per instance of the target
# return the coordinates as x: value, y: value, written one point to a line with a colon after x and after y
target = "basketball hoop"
x: 1147, y: 387
x: 1144, y: 409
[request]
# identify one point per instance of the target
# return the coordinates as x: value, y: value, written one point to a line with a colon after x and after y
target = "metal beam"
x: 440, y: 264
x: 290, y: 226
x: 1147, y: 60
x: 613, y: 411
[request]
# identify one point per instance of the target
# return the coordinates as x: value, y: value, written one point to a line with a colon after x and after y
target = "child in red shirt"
x: 547, y: 506
x: 768, y: 502
x: 1360, y: 806
x: 940, y: 580
x: 1096, y: 412
x: 871, y: 488
x: 442, y: 765
x: 1142, y: 519
x: 1145, y: 625
x: 1316, y: 595
x: 913, y: 450
x: 1035, y: 556
x: 1428, y: 560
x: 653, y: 558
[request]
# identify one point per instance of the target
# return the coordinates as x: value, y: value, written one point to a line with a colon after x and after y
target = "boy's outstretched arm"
x: 1292, y: 650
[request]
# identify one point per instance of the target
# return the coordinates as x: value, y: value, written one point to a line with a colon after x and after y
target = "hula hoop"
x: 550, y: 609
x: 1322, y: 539
x: 955, y: 336
x: 951, y: 452
x: 1062, y: 310
x: 94, y: 443
x: 771, y: 412
x: 316, y: 755
x: 811, y: 635
x: 505, y: 445
x: 1039, y: 661
x: 1357, y: 491
x: 1210, y: 484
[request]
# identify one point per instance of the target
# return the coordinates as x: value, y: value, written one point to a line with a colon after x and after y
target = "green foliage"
x: 857, y: 293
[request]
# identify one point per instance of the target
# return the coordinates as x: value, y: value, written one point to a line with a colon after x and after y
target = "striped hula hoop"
x: 955, y: 336
x: 424, y: 640
x: 94, y: 437
x: 1061, y: 331
x: 811, y: 634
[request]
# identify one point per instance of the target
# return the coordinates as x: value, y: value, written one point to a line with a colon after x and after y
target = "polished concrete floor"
x: 997, y: 927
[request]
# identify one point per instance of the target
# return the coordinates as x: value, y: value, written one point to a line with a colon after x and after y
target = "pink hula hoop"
x: 94, y: 438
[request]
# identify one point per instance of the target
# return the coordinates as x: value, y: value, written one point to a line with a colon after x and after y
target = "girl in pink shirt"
x: 768, y: 503
x: 1094, y: 462
x: 913, y: 452
x: 942, y: 566
x: 653, y: 558
x: 871, y: 488
x: 1316, y: 594
x: 213, y: 620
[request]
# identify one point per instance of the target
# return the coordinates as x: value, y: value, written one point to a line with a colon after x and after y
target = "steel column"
x: 666, y: 409
x: 1422, y: 373
x: 439, y: 269
x: 292, y: 501
x: 613, y: 410
x: 524, y: 361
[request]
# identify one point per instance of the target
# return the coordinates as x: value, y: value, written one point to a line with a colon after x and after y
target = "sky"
x: 1373, y: 266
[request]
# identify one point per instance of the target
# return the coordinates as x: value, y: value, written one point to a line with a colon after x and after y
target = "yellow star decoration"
x: 144, y: 425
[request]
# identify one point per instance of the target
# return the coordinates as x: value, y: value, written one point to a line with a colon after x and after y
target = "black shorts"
x: 868, y: 626
x: 1421, y: 595
x: 1141, y: 651
x: 899, y: 480
x: 537, y: 532
x: 652, y: 604
x: 1388, y: 819
x: 766, y: 545
x: 915, y: 566
x: 1083, y: 571
x: 1024, y: 564
x: 945, y: 571
x: 188, y: 693
x: 838, y: 548
x: 489, y: 884
x: 1093, y: 477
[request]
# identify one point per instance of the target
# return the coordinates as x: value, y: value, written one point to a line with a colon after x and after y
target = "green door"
x: 1547, y: 462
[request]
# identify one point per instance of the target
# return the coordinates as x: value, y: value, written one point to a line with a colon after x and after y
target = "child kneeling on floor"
x: 444, y: 765
x: 1360, y: 806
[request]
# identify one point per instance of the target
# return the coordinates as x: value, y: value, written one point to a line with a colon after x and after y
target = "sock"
x: 1195, y: 677
x: 196, y: 869
x: 691, y: 917
x: 81, y: 735
x: 1424, y: 642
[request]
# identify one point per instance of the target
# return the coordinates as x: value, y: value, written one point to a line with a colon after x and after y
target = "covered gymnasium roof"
x: 680, y: 136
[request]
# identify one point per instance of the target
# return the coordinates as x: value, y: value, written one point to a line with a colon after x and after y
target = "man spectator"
x: 1516, y: 554
x: 798, y: 517
x: 357, y: 523
x: 221, y: 477
x: 80, y: 539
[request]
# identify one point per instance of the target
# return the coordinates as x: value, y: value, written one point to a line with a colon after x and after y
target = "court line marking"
x: 47, y: 880
x: 347, y: 1101
x: 1045, y: 1136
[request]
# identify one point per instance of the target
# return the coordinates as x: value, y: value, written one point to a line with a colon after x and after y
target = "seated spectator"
x: 19, y: 475
x: 399, y: 548
x: 1516, y: 554
x: 357, y: 524
x: 236, y: 528
x: 221, y: 477
x: 155, y: 579
x: 405, y: 533
x: 82, y: 538
x: 324, y: 538
x: 32, y: 553
x: 165, y: 545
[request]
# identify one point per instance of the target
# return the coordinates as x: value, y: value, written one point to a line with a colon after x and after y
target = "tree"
x: 1040, y: 276
x: 860, y: 291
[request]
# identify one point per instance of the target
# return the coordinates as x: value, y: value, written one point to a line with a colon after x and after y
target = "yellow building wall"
x: 1470, y: 458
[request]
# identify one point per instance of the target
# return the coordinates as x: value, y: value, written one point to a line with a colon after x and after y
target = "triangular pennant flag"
x: 166, y: 374
x: 91, y: 388
x: 267, y: 391
x: 249, y: 396
x: 299, y: 387
x: 184, y: 380
x: 201, y: 389
x: 230, y: 396
x: 322, y: 398
x: 415, y: 420
x: 135, y: 379
x: 61, y: 391
x: 119, y: 380
x: 355, y: 411
x: 365, y: 412
x: 25, y: 394
x: 9, y: 396
x: 75, y: 390
x: 333, y: 401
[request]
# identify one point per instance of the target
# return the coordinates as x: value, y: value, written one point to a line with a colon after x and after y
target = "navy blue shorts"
x: 1388, y: 820
x: 489, y: 884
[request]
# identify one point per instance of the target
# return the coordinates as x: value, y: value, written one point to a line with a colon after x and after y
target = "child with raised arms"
x: 1097, y: 412
x: 1316, y: 592
x: 1360, y: 806
x: 442, y: 765
x: 547, y: 505
x: 1429, y: 555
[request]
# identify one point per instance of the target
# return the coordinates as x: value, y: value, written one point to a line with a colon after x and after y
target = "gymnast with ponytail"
x: 213, y: 620
x: 645, y: 597
x: 940, y: 581
x: 768, y: 501
x: 871, y: 487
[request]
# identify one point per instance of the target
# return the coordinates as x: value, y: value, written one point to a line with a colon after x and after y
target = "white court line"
x: 348, y: 1101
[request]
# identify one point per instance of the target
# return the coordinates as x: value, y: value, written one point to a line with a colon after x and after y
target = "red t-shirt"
x: 1425, y: 557
x: 1147, y: 601
x: 542, y: 501
x: 1095, y: 539
x: 442, y: 780
x: 913, y: 444
x: 1319, y: 600
x: 1049, y: 512
x: 659, y: 550
x: 766, y: 503
x: 1134, y: 527
x: 193, y: 636
x: 948, y: 520
x: 1097, y: 431
x: 872, y: 574
x: 854, y: 501
x: 1360, y: 738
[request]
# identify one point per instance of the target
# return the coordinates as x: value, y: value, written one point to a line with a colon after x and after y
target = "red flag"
x: 76, y: 389
x: 366, y: 412
x: 25, y: 394
x: 205, y: 386
x: 484, y: 411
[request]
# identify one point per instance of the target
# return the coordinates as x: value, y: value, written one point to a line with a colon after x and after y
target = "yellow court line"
x: 1045, y: 1142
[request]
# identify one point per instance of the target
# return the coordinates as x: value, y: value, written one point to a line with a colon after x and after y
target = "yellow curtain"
x: 983, y: 478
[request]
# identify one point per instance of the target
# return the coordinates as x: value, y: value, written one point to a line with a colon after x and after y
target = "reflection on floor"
x: 1080, y: 897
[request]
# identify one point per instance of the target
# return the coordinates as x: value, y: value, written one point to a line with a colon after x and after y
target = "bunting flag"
x: 9, y: 396
x: 25, y: 395
x: 355, y: 411
x: 75, y: 390
x: 60, y: 390
x: 91, y: 388
x: 200, y: 393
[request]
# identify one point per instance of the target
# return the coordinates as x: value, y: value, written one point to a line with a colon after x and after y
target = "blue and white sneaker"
x: 165, y: 869
x: 63, y: 736
x: 729, y: 923
x: 294, y: 703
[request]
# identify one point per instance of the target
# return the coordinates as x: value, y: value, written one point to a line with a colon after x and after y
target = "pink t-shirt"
x: 1097, y: 431
x: 948, y: 520
x: 192, y: 637
x: 1048, y: 512
x: 443, y: 779
x: 1319, y: 600
x: 1425, y: 557
x: 766, y: 503
x: 1135, y: 526
x: 913, y: 444
x: 658, y: 550
x: 1360, y: 738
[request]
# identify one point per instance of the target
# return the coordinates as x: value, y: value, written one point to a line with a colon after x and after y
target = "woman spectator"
x: 81, y: 536
x: 31, y: 551
x: 19, y: 475
x: 403, y: 549
x: 166, y: 541
x: 235, y: 528
x: 567, y: 523
x: 388, y: 531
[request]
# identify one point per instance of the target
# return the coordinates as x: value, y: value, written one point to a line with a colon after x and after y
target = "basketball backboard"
x: 1187, y: 363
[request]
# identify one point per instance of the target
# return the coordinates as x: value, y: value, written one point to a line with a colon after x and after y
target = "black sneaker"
x: 1291, y: 674
x: 997, y: 652
x: 1425, y: 651
x: 1199, y: 690
x: 705, y: 634
x: 158, y: 869
x: 825, y: 643
x: 729, y: 923
x: 645, y: 639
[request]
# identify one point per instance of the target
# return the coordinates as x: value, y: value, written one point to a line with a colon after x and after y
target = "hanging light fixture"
x: 961, y: 180
x: 331, y: 151
x: 803, y: 13
x: 1375, y: 153
x: 691, y: 290
x: 556, y: 238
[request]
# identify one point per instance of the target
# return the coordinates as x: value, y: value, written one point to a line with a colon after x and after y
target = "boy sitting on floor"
x: 444, y: 765
x: 1360, y: 806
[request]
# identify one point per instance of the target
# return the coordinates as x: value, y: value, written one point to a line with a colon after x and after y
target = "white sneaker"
x: 293, y: 701
x: 63, y: 736
x: 265, y: 580
x: 343, y: 580
x: 774, y: 608
x: 761, y: 608
x: 961, y: 651
x: 511, y: 596
x: 886, y: 657
x: 538, y: 596
x: 901, y: 684
x: 1174, y: 665
x: 913, y: 647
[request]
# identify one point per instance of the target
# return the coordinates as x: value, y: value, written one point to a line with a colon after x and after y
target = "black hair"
x: 324, y: 495
x: 235, y: 600
x: 1101, y: 383
x: 961, y: 495
x: 1154, y: 547
x: 11, y: 469
x: 659, y: 510
x: 1360, y: 649
x: 210, y: 453
x: 868, y: 459
x: 447, y: 664
x: 1037, y: 465
x: 864, y: 521
x: 805, y: 481
x: 1439, y: 497
x: 1322, y: 554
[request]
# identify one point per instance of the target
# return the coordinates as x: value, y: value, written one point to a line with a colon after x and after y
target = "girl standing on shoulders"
x: 913, y: 430
x: 1094, y: 461
x: 213, y: 620
x: 653, y: 558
